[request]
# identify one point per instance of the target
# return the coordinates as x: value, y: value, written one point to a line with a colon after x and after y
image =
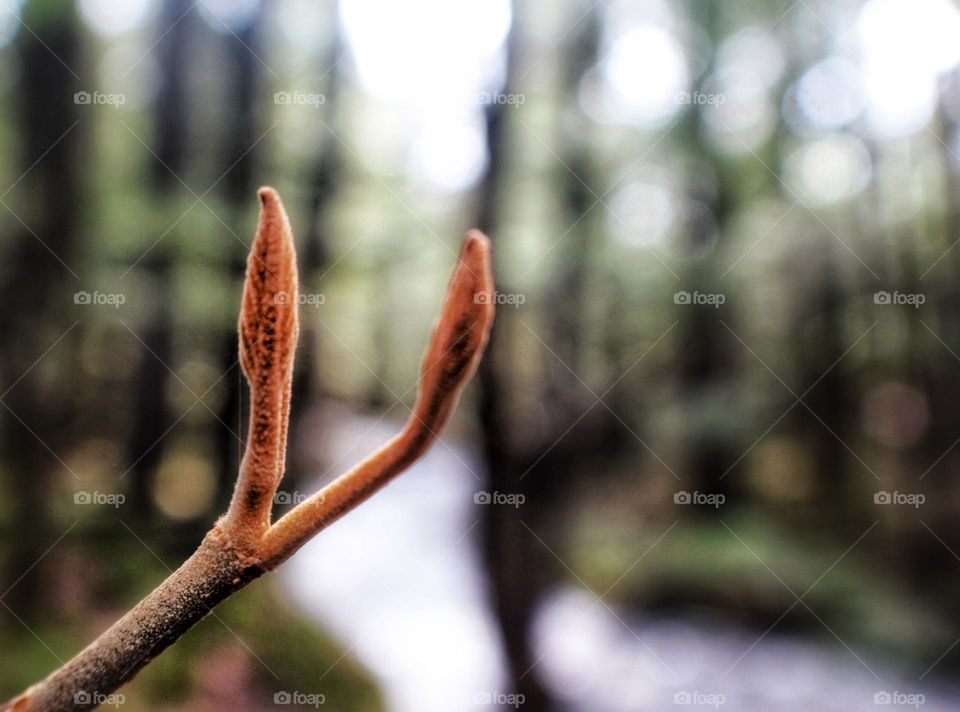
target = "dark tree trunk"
x: 173, y: 125
x: 151, y: 413
x: 508, y: 548
x: 152, y: 417
x: 705, y: 355
x: 536, y: 467
x: 38, y: 294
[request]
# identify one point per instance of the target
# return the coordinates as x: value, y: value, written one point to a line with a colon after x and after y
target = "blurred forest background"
x: 711, y: 457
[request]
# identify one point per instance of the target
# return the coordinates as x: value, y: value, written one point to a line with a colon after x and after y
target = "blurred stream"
x: 400, y: 583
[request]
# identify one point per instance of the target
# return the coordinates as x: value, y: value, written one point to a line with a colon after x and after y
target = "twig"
x: 244, y: 544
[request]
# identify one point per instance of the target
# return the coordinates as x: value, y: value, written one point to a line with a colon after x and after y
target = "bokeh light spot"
x: 109, y: 18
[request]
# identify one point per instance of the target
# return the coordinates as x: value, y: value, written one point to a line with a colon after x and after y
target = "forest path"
x: 400, y: 582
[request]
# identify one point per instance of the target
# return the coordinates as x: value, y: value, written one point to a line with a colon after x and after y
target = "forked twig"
x: 244, y: 543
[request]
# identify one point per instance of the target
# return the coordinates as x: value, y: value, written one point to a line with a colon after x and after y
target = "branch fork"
x: 245, y: 543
